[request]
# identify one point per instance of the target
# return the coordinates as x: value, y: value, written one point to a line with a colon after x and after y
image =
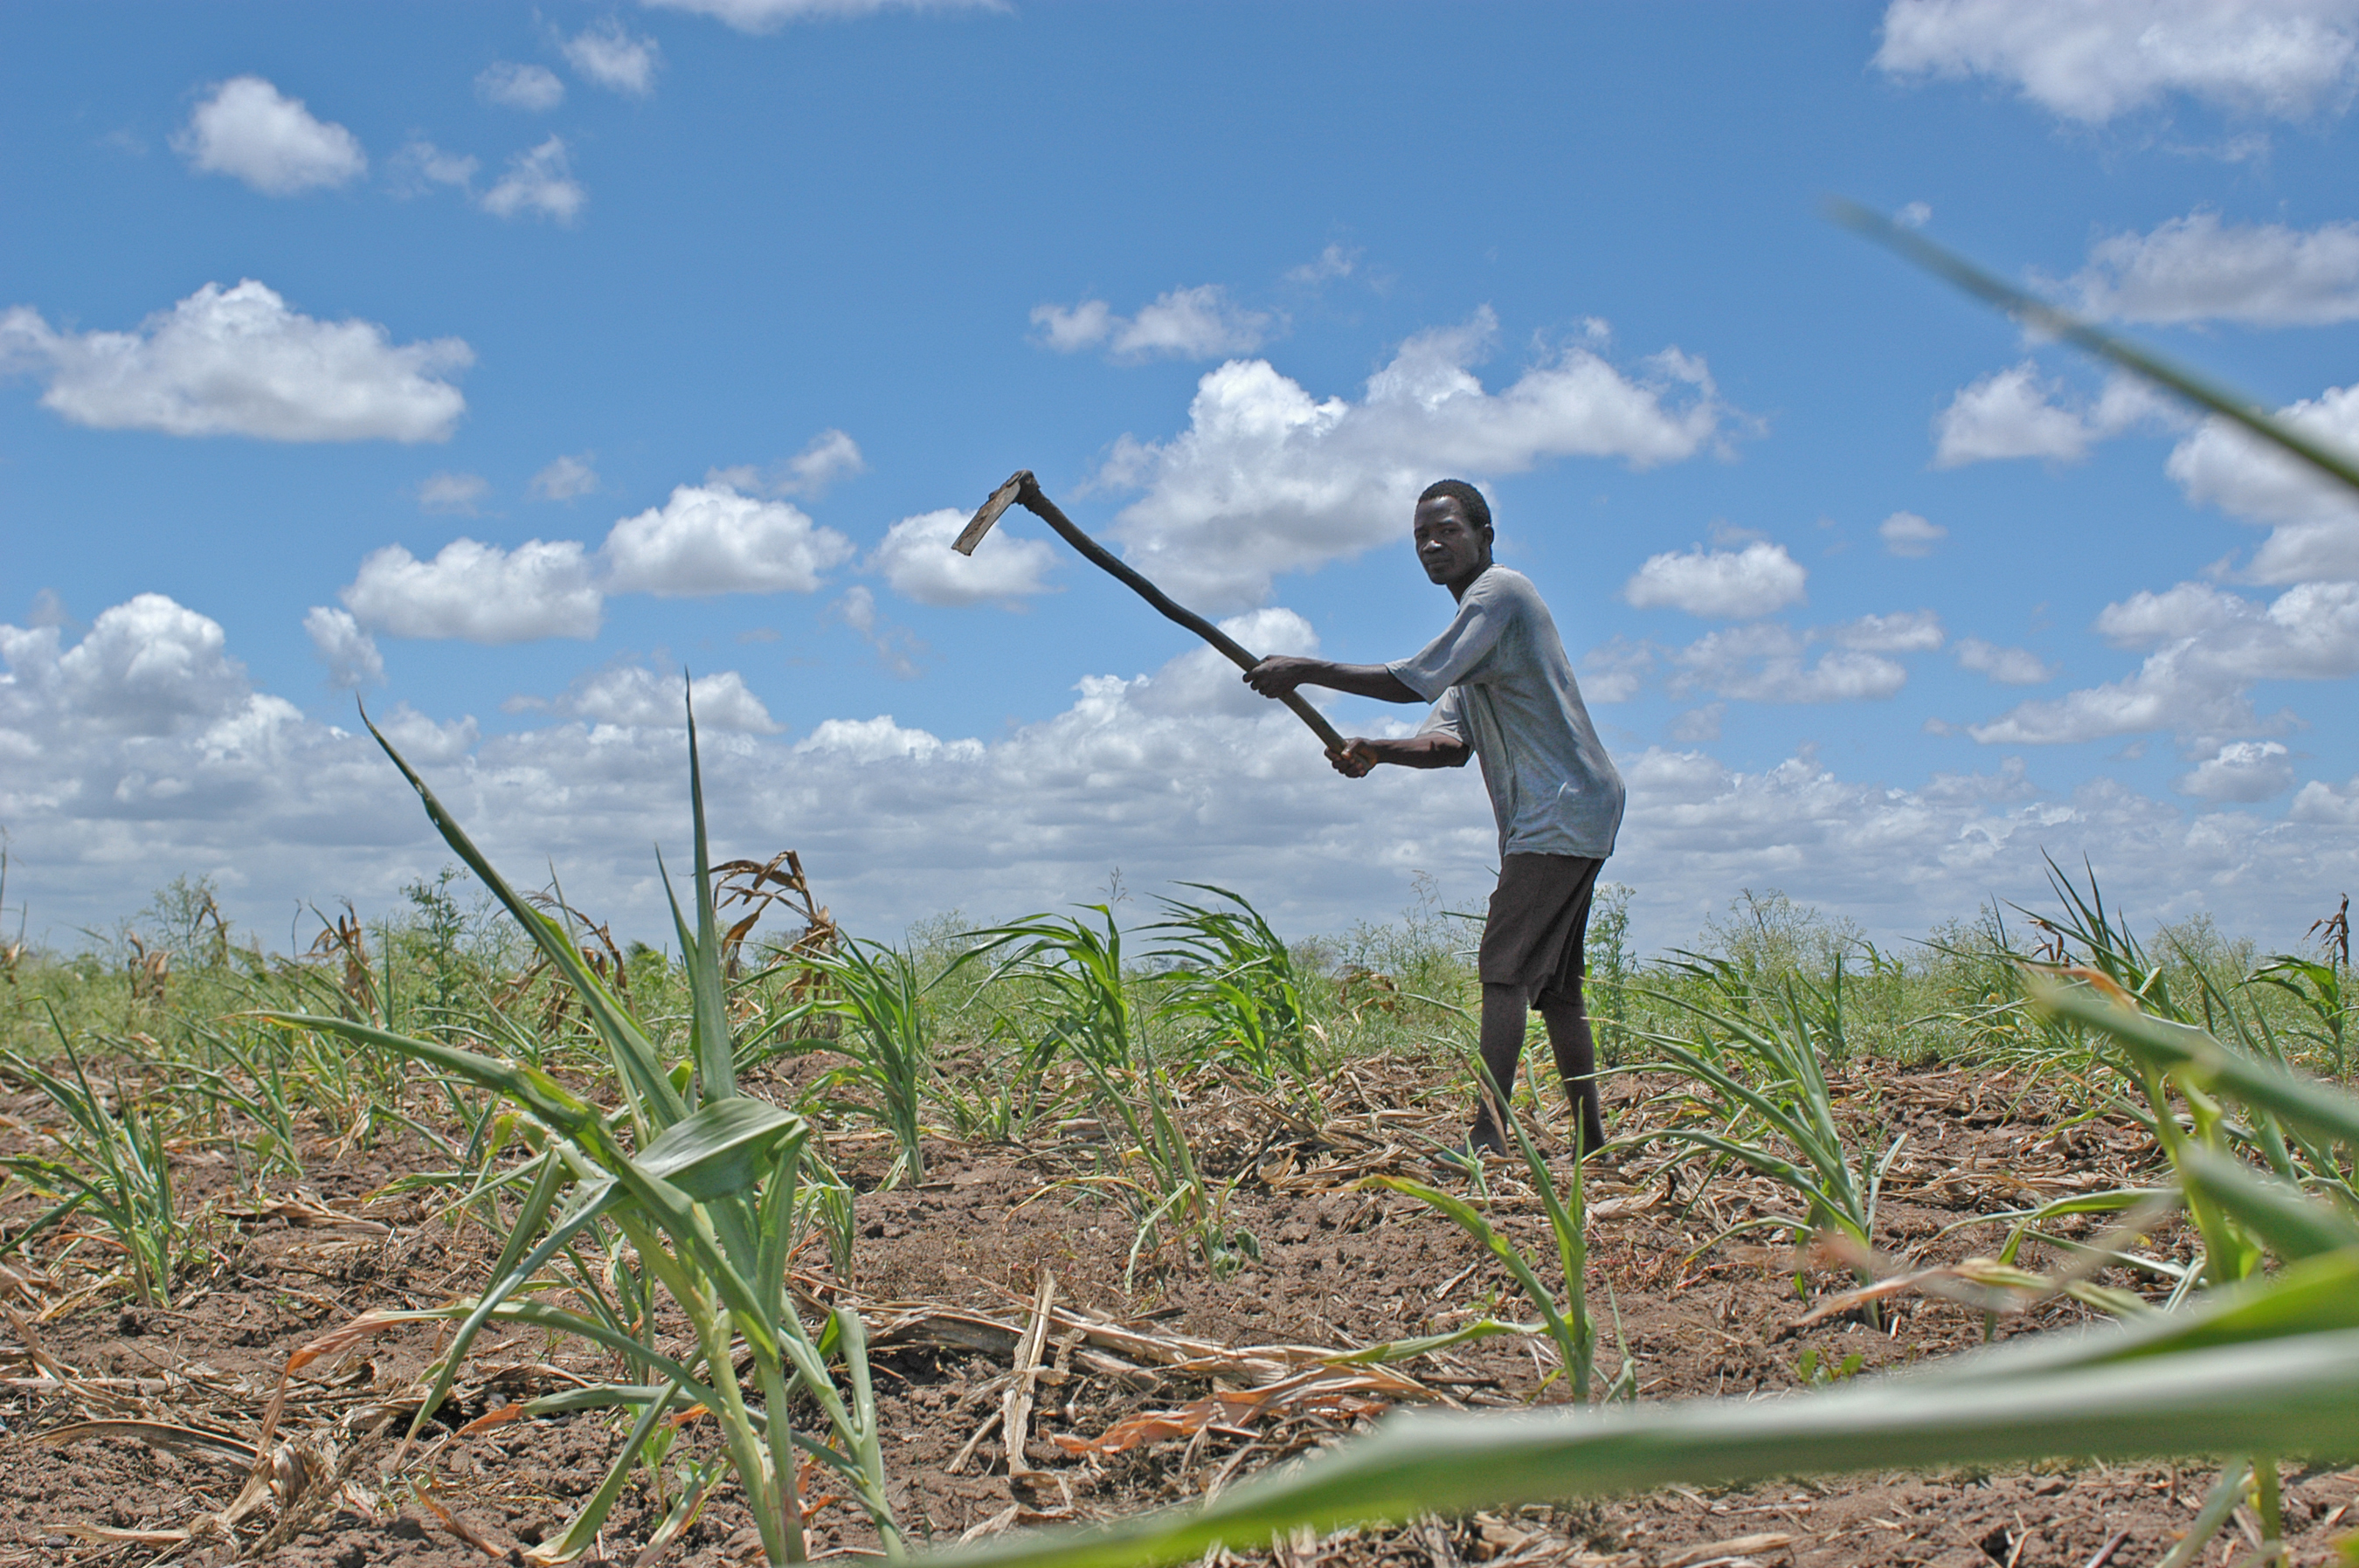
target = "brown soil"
x: 946, y: 1272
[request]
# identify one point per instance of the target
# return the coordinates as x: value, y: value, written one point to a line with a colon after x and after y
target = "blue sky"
x: 499, y: 362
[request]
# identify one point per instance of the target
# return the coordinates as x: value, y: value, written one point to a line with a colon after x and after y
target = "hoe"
x: 1023, y: 489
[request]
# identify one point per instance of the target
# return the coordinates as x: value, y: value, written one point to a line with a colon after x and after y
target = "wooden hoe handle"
x: 1024, y: 491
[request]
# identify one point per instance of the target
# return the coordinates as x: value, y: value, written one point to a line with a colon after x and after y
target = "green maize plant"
x: 1234, y: 980
x: 2267, y: 1366
x: 2319, y: 989
x: 686, y: 1185
x: 991, y: 1092
x: 1089, y: 1016
x: 1186, y: 1190
x: 1569, y: 1324
x: 1085, y: 1010
x: 1760, y: 1090
x: 111, y: 1165
x: 877, y: 992
x: 2199, y: 1136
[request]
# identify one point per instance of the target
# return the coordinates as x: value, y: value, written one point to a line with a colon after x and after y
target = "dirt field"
x: 948, y: 1275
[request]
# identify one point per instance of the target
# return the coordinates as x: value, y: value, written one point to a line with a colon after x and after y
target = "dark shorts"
x: 1539, y: 925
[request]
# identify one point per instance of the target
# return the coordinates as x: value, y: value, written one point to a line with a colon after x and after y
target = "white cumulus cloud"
x: 826, y: 457
x: 539, y: 180
x: 709, y: 539
x: 612, y: 59
x: 830, y: 456
x: 706, y: 539
x: 917, y: 559
x: 478, y: 593
x: 2007, y: 666
x: 895, y: 823
x: 769, y: 15
x: 2014, y: 413
x: 2092, y: 60
x: 634, y: 695
x: 147, y: 667
x: 240, y: 361
x: 2243, y: 771
x: 350, y: 653
x: 453, y: 492
x: 1766, y: 662
x: 1267, y: 479
x: 2316, y: 532
x: 534, y: 88
x: 897, y: 649
x: 1333, y: 263
x: 1907, y: 534
x: 420, y: 165
x: 566, y: 478
x: 1200, y: 681
x: 1726, y: 585
x: 249, y: 130
x: 1070, y: 328
x: 1903, y: 632
x: 2322, y: 804
x: 1199, y: 323
x: 862, y: 742
x: 2197, y: 269
x: 2209, y: 647
x: 1616, y: 671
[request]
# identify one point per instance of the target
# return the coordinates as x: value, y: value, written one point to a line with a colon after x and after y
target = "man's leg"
x: 1502, y: 1046
x: 1576, y: 1061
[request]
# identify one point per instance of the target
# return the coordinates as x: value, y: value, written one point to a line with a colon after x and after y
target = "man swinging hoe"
x: 1502, y: 691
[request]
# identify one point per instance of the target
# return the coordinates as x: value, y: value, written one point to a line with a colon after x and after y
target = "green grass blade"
x: 1571, y: 1240
x: 527, y: 1087
x: 557, y: 1320
x: 513, y: 1271
x: 581, y: 1122
x: 2316, y: 1296
x: 2180, y: 1047
x: 775, y: 1224
x: 1801, y: 1134
x: 715, y: 1055
x: 1804, y: 1184
x: 2218, y: 1505
x: 2286, y: 1223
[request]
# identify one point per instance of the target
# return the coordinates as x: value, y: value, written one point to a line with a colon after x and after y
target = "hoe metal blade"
x: 1001, y: 499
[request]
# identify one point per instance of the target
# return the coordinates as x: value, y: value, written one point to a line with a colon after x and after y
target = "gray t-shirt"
x: 1499, y: 681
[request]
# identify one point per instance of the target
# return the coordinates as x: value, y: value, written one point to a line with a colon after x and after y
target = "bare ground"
x: 1156, y: 1381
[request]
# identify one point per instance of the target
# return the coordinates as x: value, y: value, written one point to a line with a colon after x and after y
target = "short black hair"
x: 1478, y: 511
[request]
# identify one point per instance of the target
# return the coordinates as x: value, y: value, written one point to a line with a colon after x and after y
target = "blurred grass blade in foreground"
x: 2037, y: 313
x: 2295, y: 1394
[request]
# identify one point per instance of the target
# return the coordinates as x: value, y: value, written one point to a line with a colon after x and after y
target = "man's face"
x: 1451, y: 547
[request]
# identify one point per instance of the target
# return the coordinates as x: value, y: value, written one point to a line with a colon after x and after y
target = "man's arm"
x: 1281, y: 673
x: 1434, y: 749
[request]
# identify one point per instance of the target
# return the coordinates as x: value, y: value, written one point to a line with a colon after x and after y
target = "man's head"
x: 1453, y: 533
